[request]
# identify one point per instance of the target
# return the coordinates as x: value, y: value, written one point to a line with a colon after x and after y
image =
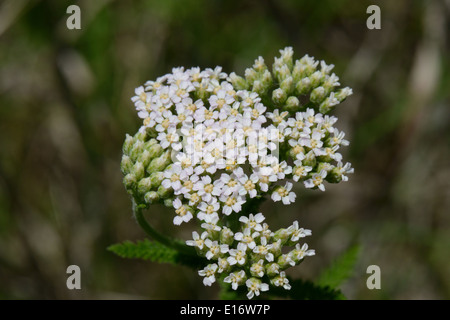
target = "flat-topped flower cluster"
x: 209, y: 143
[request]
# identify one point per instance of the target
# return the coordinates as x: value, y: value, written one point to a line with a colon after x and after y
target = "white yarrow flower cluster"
x: 252, y: 255
x: 208, y: 145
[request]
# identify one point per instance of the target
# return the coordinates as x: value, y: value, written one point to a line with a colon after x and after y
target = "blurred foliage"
x: 65, y: 108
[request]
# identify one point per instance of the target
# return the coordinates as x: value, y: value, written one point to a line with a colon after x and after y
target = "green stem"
x: 155, y: 235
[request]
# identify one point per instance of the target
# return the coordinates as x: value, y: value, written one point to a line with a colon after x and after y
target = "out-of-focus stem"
x: 155, y: 235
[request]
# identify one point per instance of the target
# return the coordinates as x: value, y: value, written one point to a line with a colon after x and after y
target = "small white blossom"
x: 236, y: 279
x: 284, y: 194
x: 255, y: 286
x: 316, y: 180
x: 209, y: 274
x: 253, y: 222
x: 198, y: 241
x: 239, y: 255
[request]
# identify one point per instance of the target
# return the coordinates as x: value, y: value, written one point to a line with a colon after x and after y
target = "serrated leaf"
x: 340, y: 270
x: 155, y: 252
x: 307, y: 290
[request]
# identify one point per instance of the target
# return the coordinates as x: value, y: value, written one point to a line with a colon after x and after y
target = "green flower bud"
x: 292, y: 104
x: 318, y: 95
x: 281, y: 234
x: 279, y: 96
x: 310, y: 159
x: 266, y: 79
x: 141, y: 136
x: 259, y: 65
x: 226, y: 236
x: 283, y: 72
x: 342, y: 94
x: 303, y: 87
x: 151, y: 197
x: 138, y: 170
x: 155, y: 150
x: 272, y: 269
x: 168, y: 203
x: 128, y: 144
x: 283, y: 261
x: 334, y: 175
x: 144, y: 185
x: 308, y: 66
x: 156, y: 178
x: 316, y: 78
x: 126, y: 165
x: 238, y: 82
x: 160, y: 163
x: 129, y: 181
x: 250, y: 75
x: 276, y: 248
x: 324, y: 166
x: 163, y: 192
x: 287, y: 85
x: 328, y: 104
x: 145, y: 158
x: 259, y: 87
x: 136, y: 150
x: 150, y: 143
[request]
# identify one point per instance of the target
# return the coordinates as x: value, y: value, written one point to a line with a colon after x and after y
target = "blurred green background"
x: 65, y: 109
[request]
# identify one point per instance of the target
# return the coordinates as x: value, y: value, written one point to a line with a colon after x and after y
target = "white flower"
x: 183, y: 214
x: 223, y: 265
x: 208, y: 210
x: 344, y: 170
x: 312, y: 117
x: 193, y: 198
x: 238, y: 255
x: 263, y: 249
x: 214, y: 249
x: 278, y: 119
x: 316, y: 180
x: 297, y: 233
x: 231, y: 203
x: 255, y: 286
x: 171, y: 138
x: 253, y: 222
x: 300, y: 171
x: 140, y: 99
x: 248, y: 185
x: 247, y: 237
x: 215, y: 74
x: 257, y: 269
x: 281, y: 281
x: 206, y: 189
x: 211, y: 225
x: 209, y: 274
x: 266, y: 232
x: 188, y: 183
x: 172, y: 178
x: 198, y: 241
x: 284, y: 194
x: 328, y: 122
x: 331, y: 152
x: 227, y: 183
x: 235, y: 278
x: 299, y: 253
x: 220, y: 100
x: 338, y: 138
x: 279, y: 171
x: 249, y: 98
